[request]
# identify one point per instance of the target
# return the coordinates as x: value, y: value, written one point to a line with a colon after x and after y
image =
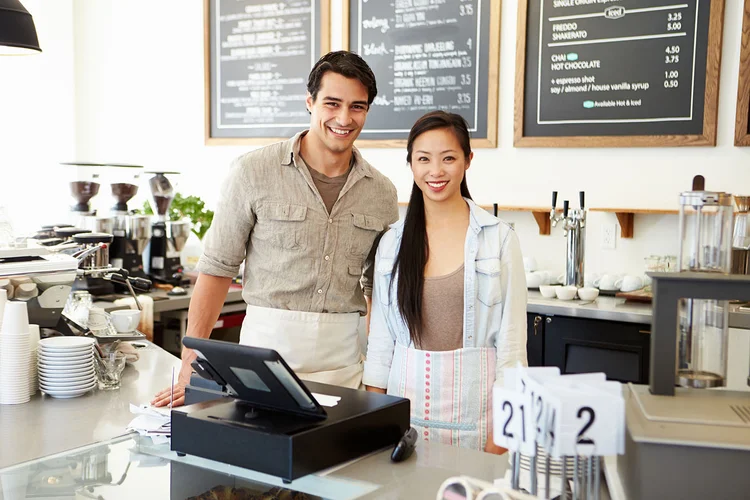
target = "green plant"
x: 191, y: 207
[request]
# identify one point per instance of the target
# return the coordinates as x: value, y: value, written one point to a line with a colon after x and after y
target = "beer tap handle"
x: 554, y: 200
x: 565, y: 208
x: 581, y: 196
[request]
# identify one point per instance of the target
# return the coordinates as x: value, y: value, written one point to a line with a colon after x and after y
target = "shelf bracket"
x: 626, y: 223
x: 542, y: 220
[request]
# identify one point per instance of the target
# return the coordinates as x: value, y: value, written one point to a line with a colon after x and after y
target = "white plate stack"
x: 15, y: 354
x: 66, y: 366
x: 33, y: 346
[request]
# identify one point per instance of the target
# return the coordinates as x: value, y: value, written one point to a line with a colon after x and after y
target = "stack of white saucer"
x: 33, y: 346
x: 66, y: 366
x: 15, y: 354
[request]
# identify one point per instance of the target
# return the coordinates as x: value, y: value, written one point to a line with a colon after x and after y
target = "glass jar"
x: 706, y: 219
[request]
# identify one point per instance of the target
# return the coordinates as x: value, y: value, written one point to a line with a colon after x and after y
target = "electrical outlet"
x: 608, y: 236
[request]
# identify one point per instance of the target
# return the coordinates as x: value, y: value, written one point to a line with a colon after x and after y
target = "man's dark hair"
x: 347, y: 64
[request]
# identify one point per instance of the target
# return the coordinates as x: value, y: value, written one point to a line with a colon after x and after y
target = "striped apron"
x: 450, y: 392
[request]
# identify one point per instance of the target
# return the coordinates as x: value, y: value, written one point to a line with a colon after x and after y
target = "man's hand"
x: 491, y: 447
x: 374, y: 389
x: 162, y: 398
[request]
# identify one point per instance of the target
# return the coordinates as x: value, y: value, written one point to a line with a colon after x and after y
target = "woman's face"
x: 438, y: 164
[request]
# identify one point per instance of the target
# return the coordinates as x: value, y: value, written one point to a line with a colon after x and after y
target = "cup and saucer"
x: 125, y: 320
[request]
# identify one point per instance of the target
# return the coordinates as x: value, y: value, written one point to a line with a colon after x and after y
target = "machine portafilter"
x: 574, y: 227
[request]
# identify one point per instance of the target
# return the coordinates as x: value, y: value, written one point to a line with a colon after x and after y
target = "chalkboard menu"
x: 742, y: 118
x: 618, y: 72
x: 258, y: 54
x: 427, y: 55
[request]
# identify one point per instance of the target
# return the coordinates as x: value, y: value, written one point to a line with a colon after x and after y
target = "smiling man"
x: 305, y: 215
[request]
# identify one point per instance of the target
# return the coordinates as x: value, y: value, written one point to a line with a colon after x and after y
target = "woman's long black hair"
x: 414, y: 251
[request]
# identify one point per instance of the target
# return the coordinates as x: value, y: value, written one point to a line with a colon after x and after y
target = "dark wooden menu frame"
x: 710, y: 106
x: 741, y: 135
x: 493, y: 82
x: 325, y: 47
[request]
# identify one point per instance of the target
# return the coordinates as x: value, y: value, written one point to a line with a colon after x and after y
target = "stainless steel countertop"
x: 613, y: 309
x: 175, y: 303
x: 46, y: 425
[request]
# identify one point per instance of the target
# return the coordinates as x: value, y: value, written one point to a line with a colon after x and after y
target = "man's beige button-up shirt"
x: 298, y: 256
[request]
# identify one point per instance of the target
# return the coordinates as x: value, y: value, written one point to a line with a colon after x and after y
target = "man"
x: 305, y: 215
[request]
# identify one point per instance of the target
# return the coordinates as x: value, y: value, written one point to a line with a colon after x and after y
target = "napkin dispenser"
x: 271, y: 422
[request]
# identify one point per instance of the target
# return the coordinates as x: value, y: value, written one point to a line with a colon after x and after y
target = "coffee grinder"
x: 167, y: 237
x: 131, y: 232
x: 84, y: 186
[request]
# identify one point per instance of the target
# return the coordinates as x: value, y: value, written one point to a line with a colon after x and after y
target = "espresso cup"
x: 98, y: 319
x: 608, y: 282
x: 631, y: 283
x: 125, y: 320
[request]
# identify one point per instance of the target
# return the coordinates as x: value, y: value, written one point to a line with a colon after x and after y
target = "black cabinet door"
x: 535, y: 339
x: 576, y: 345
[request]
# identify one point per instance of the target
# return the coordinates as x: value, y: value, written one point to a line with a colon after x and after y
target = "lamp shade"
x: 17, y: 31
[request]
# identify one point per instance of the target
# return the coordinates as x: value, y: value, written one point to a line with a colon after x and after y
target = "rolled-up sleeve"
x: 225, y: 244
x: 511, y: 341
x: 381, y: 341
x: 368, y: 270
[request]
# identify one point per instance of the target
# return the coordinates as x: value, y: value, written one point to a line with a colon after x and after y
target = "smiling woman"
x: 449, y: 295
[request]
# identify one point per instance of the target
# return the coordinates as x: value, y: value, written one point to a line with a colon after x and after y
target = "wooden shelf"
x: 626, y: 216
x: 541, y: 214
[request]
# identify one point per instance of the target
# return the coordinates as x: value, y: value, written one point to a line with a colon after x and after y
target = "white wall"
x: 139, y: 98
x: 36, y: 120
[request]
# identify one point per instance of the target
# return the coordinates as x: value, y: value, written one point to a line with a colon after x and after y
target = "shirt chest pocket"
x: 282, y: 225
x: 363, y: 230
x: 383, y: 276
x: 489, y: 291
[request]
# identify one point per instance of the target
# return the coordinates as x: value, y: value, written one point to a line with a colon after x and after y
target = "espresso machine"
x: 131, y: 231
x: 168, y: 238
x: 574, y: 226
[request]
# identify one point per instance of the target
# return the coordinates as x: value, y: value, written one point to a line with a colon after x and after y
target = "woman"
x: 449, y: 298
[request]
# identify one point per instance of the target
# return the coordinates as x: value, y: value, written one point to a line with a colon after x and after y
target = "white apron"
x: 318, y: 347
x: 460, y: 414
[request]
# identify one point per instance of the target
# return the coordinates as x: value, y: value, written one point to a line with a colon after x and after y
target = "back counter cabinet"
x: 577, y: 345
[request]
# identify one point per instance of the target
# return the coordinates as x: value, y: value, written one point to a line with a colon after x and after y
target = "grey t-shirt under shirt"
x: 328, y: 187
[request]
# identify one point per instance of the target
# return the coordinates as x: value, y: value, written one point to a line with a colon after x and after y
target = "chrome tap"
x: 574, y: 228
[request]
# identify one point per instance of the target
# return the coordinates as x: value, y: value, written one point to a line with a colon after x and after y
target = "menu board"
x: 427, y: 55
x: 258, y: 54
x: 622, y: 72
x: 742, y: 118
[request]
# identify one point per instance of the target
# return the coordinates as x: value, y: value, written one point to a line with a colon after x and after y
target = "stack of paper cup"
x: 33, y: 372
x: 15, y: 354
x: 3, y: 300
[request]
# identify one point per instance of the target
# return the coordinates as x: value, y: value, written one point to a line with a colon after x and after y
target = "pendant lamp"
x: 17, y: 31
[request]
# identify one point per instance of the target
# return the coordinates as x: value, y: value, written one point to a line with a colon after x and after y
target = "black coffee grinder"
x: 168, y: 238
x: 131, y: 232
x: 84, y: 185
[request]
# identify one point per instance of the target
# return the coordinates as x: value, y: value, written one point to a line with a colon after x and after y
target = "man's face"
x: 339, y: 111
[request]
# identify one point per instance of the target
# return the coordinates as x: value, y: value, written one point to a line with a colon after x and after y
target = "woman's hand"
x: 491, y: 447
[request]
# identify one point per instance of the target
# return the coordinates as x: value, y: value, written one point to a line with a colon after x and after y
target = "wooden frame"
x: 711, y: 97
x: 493, y: 82
x: 325, y: 47
x: 741, y: 135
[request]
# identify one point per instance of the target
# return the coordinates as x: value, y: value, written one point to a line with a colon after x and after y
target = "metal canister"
x: 100, y: 258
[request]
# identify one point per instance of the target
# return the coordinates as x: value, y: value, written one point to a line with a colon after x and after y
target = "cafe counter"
x: 79, y: 448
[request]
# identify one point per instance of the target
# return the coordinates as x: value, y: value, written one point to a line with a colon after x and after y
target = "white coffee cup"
x: 529, y: 264
x: 608, y: 282
x: 631, y: 283
x: 125, y: 320
x: 98, y: 319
